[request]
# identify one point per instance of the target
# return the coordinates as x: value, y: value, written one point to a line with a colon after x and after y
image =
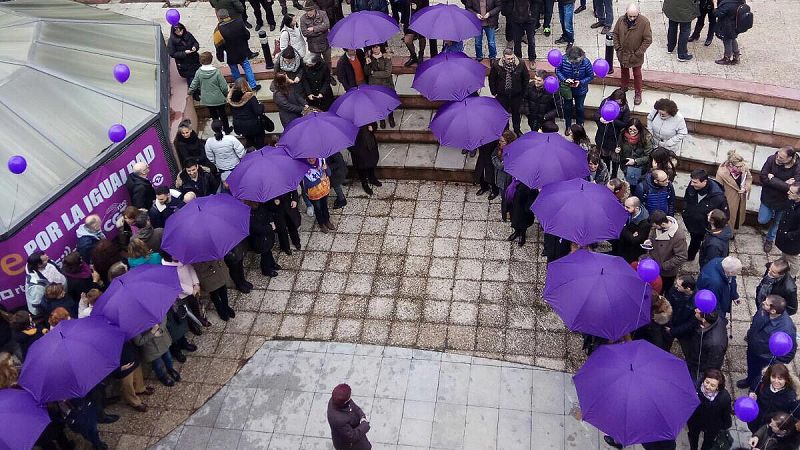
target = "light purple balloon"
x: 122, y: 72
x: 610, y: 110
x: 551, y: 84
x: 648, y: 270
x: 17, y: 164
x: 746, y: 409
x: 117, y: 133
x: 601, y: 67
x: 780, y: 344
x: 705, y: 300
x: 554, y: 57
x: 173, y: 16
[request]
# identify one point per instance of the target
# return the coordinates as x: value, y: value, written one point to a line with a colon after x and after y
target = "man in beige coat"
x: 632, y: 37
x: 667, y: 242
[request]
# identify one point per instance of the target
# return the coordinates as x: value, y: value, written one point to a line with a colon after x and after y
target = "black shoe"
x: 297, y: 5
x: 269, y: 273
x: 244, y: 289
x: 248, y: 24
x: 278, y: 267
x: 375, y: 182
x: 685, y: 58
x: 195, y: 329
x: 546, y: 32
x: 742, y: 384
x: 253, y: 55
x: 189, y: 347
x: 708, y: 41
x: 512, y: 237
x: 411, y: 61
x: 493, y: 196
x: 257, y: 88
x: 522, y: 239
x: 167, y: 381
x: 230, y: 311
x: 339, y: 205
x: 272, y: 27
x: 481, y: 191
x: 580, y: 9
x: 174, y: 374
x: 178, y: 356
x: 259, y: 26
x: 108, y: 418
x: 101, y: 446
x: 561, y: 40
x: 288, y: 251
x: 610, y: 441
x: 222, y: 312
x: 693, y: 38
x: 367, y: 189
x: 297, y: 245
x: 269, y: 66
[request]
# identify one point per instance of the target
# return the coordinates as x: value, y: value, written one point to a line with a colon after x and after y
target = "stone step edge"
x: 689, y: 84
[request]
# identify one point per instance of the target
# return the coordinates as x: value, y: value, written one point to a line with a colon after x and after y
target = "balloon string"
x: 699, y: 355
x: 641, y: 303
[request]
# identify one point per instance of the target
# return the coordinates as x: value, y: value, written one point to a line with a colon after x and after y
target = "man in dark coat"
x: 635, y: 232
x: 777, y: 281
x: 702, y: 196
x: 681, y: 298
x: 488, y: 11
x: 788, y: 236
x: 262, y: 236
x: 779, y: 172
x: 542, y: 106
x: 350, y: 68
x: 364, y: 154
x: 139, y: 188
x: 287, y: 221
x: 230, y: 39
x: 349, y: 424
x: 508, y: 80
x: 719, y: 277
x: 338, y: 176
x: 194, y: 178
x: 521, y: 215
x: 705, y: 347
x: 524, y: 21
x: 164, y: 207
x: 716, y: 243
x: 769, y: 319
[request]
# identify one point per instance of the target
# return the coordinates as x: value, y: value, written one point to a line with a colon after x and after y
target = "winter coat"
x: 338, y: 169
x: 230, y: 39
x: 639, y: 152
x: 737, y: 203
x: 140, y: 190
x: 212, y: 85
x: 712, y: 416
x: 206, y: 183
x: 785, y: 287
x: 127, y: 356
x: 713, y: 278
x: 726, y: 19
x: 77, y: 285
x: 600, y: 176
x: 714, y: 342
x: 66, y: 302
x: 292, y: 71
x: 683, y: 319
x: 152, y: 258
x: 521, y: 214
x: 767, y: 440
x: 345, y: 72
x: 364, y: 152
x: 212, y: 274
x: 582, y: 72
x: 262, y: 236
x: 519, y: 80
x: 632, y: 42
x: 87, y: 239
x: 774, y: 190
x: 655, y: 197
x: 151, y: 236
x: 695, y: 210
x: 669, y: 248
x: 285, y: 213
x: 379, y: 72
x: 524, y: 11
x: 655, y: 332
x: 484, y: 168
x: 788, y: 238
x: 154, y: 346
x: 318, y: 81
x: 245, y: 115
x: 492, y: 8
x: 681, y: 10
x: 235, y: 8
x: 667, y: 133
x: 762, y: 327
x: 715, y: 245
x: 608, y: 133
x: 225, y: 153
x: 347, y: 430
x: 290, y: 106
x: 187, y: 63
x: 633, y: 235
x: 770, y: 403
x: 317, y: 38
x: 542, y: 106
x: 158, y: 217
x: 292, y: 37
x: 192, y: 148
x: 333, y: 9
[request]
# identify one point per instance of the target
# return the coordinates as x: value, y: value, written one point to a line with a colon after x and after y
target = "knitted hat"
x: 310, y: 4
x: 341, y: 394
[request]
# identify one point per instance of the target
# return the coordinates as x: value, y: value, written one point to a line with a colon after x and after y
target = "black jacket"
x: 715, y: 343
x: 192, y: 148
x: 633, y: 235
x: 345, y: 72
x: 262, y: 236
x: 726, y: 19
x: 347, y: 430
x: 773, y: 191
x: 234, y: 48
x: 715, y: 245
x: 608, y: 133
x: 785, y: 287
x: 519, y: 80
x: 541, y: 105
x: 318, y: 81
x: 711, y: 416
x: 524, y: 11
x: 141, y: 191
x: 684, y: 321
x: 187, y: 63
x: 521, y: 215
x: 245, y: 114
x: 159, y: 218
x: 206, y: 183
x: 771, y: 402
x: 788, y: 238
x: 695, y: 211
x: 364, y: 152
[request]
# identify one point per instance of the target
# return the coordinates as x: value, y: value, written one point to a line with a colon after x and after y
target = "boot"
x: 521, y: 239
x: 513, y: 236
x: 195, y: 328
x: 392, y: 124
x: 375, y: 182
x: 724, y: 61
x: 230, y: 311
x: 174, y: 374
x: 367, y: 189
x: 735, y: 59
x: 694, y: 37
x: 420, y: 57
x: 382, y: 123
x: 221, y: 310
x: 186, y: 345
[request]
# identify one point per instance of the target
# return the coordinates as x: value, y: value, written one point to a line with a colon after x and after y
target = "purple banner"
x: 53, y: 230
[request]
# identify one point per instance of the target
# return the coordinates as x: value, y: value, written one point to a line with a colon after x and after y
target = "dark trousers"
x: 708, y: 438
x: 286, y: 230
x: 528, y: 28
x: 549, y: 6
x: 509, y: 31
x: 512, y: 104
x: 54, y: 438
x: 218, y: 113
x: 367, y: 175
x: 267, y: 262
x: 573, y: 108
x: 755, y: 364
x: 667, y: 283
x: 256, y: 141
x: 706, y: 10
x: 219, y: 298
x: 613, y: 166
x: 257, y: 5
x: 694, y: 244
x: 679, y: 38
x: 236, y: 271
x: 485, y: 185
x: 84, y: 422
x: 321, y: 210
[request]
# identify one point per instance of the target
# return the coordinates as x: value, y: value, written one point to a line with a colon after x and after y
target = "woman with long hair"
x: 139, y: 254
x: 777, y: 392
x: 290, y: 105
x: 608, y: 131
x: 246, y: 111
x: 664, y: 159
x: 734, y: 176
x: 620, y: 188
x: 579, y: 137
x: 633, y: 150
x: 224, y: 151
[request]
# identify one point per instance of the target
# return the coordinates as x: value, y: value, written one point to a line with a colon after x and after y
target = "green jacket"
x: 212, y: 85
x: 681, y: 10
x: 234, y: 7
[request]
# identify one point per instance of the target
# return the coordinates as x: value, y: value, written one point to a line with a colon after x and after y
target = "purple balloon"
x: 122, y: 72
x: 780, y: 344
x: 746, y: 409
x: 554, y: 57
x: 173, y: 16
x: 117, y: 133
x: 705, y: 301
x: 551, y: 84
x: 601, y: 67
x: 610, y: 110
x: 17, y: 164
x: 648, y: 270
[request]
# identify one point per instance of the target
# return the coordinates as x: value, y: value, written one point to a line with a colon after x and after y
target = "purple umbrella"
x: 71, y: 359
x: 449, y: 77
x: 537, y: 159
x: 318, y: 135
x: 447, y: 22
x: 366, y: 104
x: 599, y: 217
x: 140, y: 298
x: 469, y: 123
x: 362, y: 29
x: 635, y: 392
x: 206, y: 228
x: 597, y: 294
x: 265, y: 174
x: 22, y: 419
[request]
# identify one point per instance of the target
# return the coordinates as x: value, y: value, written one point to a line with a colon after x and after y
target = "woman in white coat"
x: 667, y: 125
x: 291, y: 36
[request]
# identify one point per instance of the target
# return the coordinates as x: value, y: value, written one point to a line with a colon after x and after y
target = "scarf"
x: 735, y: 172
x: 84, y: 271
x: 509, y: 67
x: 633, y: 140
x: 293, y: 67
x: 709, y: 395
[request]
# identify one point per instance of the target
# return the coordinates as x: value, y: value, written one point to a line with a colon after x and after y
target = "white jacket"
x: 186, y: 275
x: 667, y: 133
x: 293, y: 37
x: 225, y: 153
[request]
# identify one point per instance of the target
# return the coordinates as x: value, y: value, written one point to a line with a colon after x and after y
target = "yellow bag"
x: 322, y: 188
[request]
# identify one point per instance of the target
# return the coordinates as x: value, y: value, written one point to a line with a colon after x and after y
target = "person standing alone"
x: 632, y: 38
x: 349, y: 424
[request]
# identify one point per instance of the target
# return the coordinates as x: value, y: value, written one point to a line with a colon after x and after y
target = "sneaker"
x: 670, y: 51
x: 310, y: 211
x: 685, y: 58
x: 547, y: 31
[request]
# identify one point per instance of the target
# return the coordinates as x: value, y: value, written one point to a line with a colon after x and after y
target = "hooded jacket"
x: 225, y: 153
x: 245, y: 113
x: 187, y: 63
x: 669, y: 248
x: 230, y: 39
x: 713, y: 278
x: 681, y: 11
x: 86, y: 240
x: 706, y: 346
x: 715, y: 245
x: 655, y: 197
x: 347, y: 430
x: 212, y: 85
x: 581, y: 71
x: 696, y: 209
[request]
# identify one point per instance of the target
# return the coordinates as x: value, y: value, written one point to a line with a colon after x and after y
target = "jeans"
x: 565, y: 13
x: 682, y: 38
x: 160, y: 363
x: 248, y: 72
x: 528, y: 28
x: 490, y: 40
x: 637, y: 78
x: 767, y: 214
x: 576, y: 111
x: 731, y: 47
x: 339, y: 193
x: 605, y: 12
x: 321, y: 210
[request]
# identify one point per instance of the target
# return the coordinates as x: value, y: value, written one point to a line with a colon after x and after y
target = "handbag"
x: 276, y: 47
x: 723, y: 441
x: 266, y: 123
x: 565, y: 91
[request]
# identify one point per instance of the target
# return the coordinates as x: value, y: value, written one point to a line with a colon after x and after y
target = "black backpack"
x: 744, y: 18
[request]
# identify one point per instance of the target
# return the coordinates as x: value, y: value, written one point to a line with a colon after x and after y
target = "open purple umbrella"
x: 71, y: 359
x: 22, y: 419
x: 265, y: 174
x: 447, y: 22
x: 449, y: 77
x: 469, y: 123
x: 361, y: 29
x: 600, y: 215
x: 366, y: 104
x: 139, y: 299
x: 537, y: 159
x: 206, y: 229
x: 635, y: 392
x: 597, y: 294
x: 318, y: 135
